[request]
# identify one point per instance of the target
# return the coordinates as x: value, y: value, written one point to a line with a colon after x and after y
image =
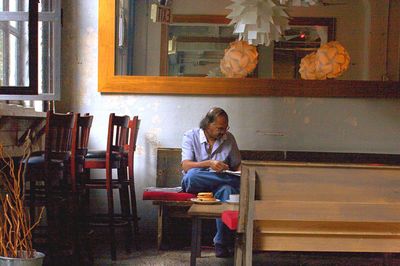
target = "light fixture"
x: 299, y: 2
x: 307, y: 67
x: 239, y: 60
x: 330, y: 61
x: 258, y: 21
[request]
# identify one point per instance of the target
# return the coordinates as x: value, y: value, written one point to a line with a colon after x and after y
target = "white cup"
x: 234, y: 197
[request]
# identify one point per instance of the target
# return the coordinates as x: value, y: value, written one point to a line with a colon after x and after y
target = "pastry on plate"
x: 205, y: 196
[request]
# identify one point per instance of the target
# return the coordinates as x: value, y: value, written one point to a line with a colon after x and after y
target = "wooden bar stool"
x: 114, y: 159
x: 46, y: 174
x: 80, y: 141
x: 129, y: 163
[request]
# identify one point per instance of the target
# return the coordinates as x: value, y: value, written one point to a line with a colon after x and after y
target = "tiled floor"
x: 149, y: 255
x: 182, y: 257
x: 178, y: 253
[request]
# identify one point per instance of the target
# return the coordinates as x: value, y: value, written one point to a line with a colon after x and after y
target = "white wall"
x: 314, y: 124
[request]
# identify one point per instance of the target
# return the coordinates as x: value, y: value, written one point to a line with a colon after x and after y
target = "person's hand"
x: 218, y: 166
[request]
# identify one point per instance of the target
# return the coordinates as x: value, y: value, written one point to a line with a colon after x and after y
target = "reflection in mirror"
x: 196, y: 51
x: 147, y: 48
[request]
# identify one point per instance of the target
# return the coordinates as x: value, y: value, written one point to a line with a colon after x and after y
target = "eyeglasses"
x: 221, y: 129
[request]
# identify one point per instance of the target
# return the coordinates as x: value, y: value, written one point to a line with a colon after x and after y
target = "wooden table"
x: 198, y: 212
x: 15, y: 123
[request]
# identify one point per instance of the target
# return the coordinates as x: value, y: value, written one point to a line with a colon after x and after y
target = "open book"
x: 230, y: 172
x: 237, y: 173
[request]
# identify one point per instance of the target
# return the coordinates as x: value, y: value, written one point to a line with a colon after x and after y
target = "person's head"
x: 215, y: 123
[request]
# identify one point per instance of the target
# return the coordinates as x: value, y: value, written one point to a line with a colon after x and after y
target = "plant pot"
x: 37, y: 260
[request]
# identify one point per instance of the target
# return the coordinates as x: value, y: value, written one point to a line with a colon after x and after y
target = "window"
x: 30, y: 40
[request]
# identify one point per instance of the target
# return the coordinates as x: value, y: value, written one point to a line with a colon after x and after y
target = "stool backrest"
x: 58, y: 134
x: 117, y: 134
x: 80, y: 134
x: 80, y: 142
x: 130, y: 147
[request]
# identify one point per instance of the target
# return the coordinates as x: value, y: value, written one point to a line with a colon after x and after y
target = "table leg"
x: 196, y: 233
x: 198, y: 241
x: 160, y: 225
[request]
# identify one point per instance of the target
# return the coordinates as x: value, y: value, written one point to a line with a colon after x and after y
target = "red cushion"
x: 230, y: 218
x: 172, y: 196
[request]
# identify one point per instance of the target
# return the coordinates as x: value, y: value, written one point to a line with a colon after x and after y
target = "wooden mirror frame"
x: 108, y: 82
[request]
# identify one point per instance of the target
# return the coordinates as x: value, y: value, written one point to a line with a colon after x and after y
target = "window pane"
x: 46, y: 6
x: 46, y: 48
x: 14, y: 60
x: 13, y: 26
x: 14, y: 5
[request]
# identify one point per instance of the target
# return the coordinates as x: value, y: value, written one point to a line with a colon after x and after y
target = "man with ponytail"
x: 206, y: 152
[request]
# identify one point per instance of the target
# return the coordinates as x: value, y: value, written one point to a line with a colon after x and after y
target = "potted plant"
x: 15, y: 228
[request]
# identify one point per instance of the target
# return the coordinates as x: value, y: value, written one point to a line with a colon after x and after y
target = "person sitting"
x: 206, y: 152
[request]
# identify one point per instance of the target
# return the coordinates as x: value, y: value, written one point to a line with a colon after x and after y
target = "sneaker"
x: 222, y: 251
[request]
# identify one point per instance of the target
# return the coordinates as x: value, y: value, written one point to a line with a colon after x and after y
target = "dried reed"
x: 15, y: 227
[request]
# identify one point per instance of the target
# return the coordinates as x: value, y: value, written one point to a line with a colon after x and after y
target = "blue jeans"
x: 222, y: 185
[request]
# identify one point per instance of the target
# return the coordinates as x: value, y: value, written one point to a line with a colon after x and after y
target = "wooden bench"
x: 169, y: 173
x: 289, y: 206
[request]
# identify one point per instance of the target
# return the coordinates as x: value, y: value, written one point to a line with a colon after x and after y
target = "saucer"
x: 231, y: 201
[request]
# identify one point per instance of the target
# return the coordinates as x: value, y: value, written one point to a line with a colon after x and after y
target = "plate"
x: 232, y: 202
x: 195, y: 200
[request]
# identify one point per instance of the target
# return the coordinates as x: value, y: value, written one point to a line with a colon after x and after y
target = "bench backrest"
x: 332, y: 189
x: 169, y: 172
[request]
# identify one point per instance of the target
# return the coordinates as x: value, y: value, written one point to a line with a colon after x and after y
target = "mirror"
x: 109, y: 82
x: 196, y: 45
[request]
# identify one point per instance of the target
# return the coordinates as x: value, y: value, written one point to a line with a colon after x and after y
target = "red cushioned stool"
x: 168, y: 202
x: 230, y: 219
x: 168, y: 196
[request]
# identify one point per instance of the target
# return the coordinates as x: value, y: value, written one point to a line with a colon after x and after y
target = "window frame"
x: 34, y: 17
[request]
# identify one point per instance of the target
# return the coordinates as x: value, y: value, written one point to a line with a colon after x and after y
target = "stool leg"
x: 110, y: 201
x: 84, y: 214
x: 51, y: 215
x: 86, y: 198
x: 76, y: 228
x: 160, y: 225
x: 134, y: 210
x: 125, y: 208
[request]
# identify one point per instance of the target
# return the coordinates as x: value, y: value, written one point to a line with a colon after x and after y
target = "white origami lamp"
x: 239, y: 60
x: 258, y: 21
